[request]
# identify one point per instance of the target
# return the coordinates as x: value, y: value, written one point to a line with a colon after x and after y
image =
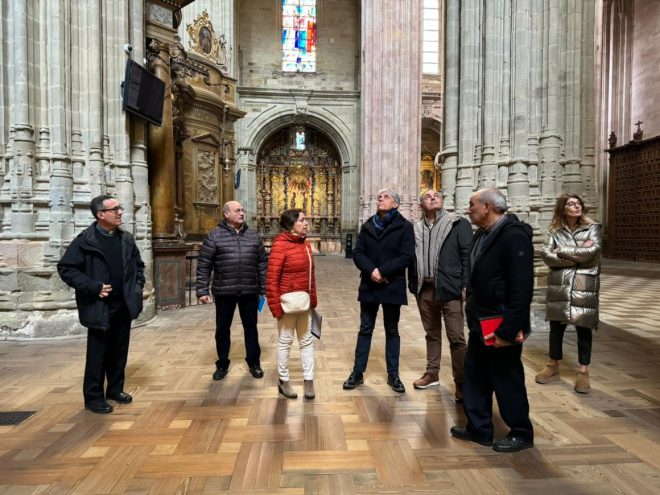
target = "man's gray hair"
x: 421, y: 196
x: 494, y: 197
x: 393, y: 194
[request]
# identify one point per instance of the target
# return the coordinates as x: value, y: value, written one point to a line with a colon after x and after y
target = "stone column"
x: 550, y: 139
x: 572, y: 179
x: 391, y: 102
x: 449, y: 153
x: 587, y: 168
x: 470, y: 36
x: 21, y: 167
x: 492, y: 53
x: 518, y: 183
x: 61, y: 177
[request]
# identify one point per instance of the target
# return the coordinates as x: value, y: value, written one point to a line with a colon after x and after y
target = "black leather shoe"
x: 121, y: 397
x: 462, y: 433
x: 513, y: 444
x: 394, y: 382
x: 256, y: 371
x: 99, y: 407
x: 220, y: 373
x: 353, y: 380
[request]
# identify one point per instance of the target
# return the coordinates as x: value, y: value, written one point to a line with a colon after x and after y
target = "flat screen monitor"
x: 143, y: 93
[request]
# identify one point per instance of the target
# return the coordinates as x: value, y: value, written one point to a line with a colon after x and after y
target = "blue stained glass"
x: 299, y: 35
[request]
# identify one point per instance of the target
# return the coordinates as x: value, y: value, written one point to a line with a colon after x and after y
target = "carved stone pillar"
x: 449, y: 153
x: 391, y: 102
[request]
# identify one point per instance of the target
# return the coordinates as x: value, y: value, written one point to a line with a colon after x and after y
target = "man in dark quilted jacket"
x: 237, y: 258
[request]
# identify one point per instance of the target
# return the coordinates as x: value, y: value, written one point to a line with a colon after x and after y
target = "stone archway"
x: 298, y: 166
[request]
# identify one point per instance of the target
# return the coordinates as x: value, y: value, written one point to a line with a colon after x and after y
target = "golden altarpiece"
x: 299, y: 167
x: 430, y: 174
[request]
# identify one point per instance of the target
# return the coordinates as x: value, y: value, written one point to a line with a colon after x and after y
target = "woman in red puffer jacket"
x: 291, y: 269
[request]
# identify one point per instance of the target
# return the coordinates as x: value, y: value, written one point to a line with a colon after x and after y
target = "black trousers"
x: 107, y: 353
x: 489, y: 370
x: 391, y: 315
x: 225, y: 306
x: 584, y: 338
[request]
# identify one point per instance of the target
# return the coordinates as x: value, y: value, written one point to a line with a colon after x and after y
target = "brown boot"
x: 548, y: 374
x: 426, y: 380
x: 582, y: 385
x: 286, y: 390
x: 309, y: 389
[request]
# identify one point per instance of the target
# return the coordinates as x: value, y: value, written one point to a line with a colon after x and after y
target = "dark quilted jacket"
x: 288, y: 270
x: 238, y: 261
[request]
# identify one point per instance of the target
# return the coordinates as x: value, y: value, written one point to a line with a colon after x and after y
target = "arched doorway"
x: 299, y: 167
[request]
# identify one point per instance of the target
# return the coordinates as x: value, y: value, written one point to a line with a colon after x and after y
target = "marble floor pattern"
x: 186, y: 434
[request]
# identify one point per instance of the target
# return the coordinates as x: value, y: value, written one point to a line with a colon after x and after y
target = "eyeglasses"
x: 116, y: 209
x: 569, y: 204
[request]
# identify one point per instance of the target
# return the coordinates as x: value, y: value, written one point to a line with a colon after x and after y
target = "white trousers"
x: 289, y: 325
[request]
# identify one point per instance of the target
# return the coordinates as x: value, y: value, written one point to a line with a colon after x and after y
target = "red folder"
x: 488, y: 327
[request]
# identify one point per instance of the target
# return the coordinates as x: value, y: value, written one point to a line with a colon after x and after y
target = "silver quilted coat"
x: 574, y: 278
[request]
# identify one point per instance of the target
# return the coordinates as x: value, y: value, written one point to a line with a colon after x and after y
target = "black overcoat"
x: 502, y: 279
x: 84, y: 268
x: 391, y: 253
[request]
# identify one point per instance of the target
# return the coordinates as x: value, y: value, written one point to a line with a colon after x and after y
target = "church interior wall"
x: 645, y: 63
x: 330, y: 96
x: 63, y: 140
x: 338, y: 47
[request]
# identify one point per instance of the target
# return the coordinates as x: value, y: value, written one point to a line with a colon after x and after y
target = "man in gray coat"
x: 237, y: 258
x: 438, y: 280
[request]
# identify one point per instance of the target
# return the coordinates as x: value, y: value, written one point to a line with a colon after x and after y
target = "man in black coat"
x: 438, y: 279
x: 238, y: 260
x: 104, y: 266
x: 499, y: 295
x: 385, y: 247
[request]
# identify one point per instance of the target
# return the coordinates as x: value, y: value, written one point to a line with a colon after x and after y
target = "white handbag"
x: 295, y: 302
x: 298, y: 301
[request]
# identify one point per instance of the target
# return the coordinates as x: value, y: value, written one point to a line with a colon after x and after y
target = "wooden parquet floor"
x: 186, y: 434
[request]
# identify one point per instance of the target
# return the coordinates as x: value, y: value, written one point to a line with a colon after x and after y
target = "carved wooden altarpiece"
x: 299, y: 167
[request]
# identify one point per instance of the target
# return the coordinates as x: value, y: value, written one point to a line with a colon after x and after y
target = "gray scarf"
x: 432, y: 240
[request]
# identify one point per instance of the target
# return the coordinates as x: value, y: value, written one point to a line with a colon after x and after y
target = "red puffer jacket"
x: 288, y: 270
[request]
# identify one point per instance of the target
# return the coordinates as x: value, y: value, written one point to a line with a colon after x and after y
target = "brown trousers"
x: 431, y: 312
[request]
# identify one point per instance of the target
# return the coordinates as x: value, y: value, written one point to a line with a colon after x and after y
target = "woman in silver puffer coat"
x: 572, y: 252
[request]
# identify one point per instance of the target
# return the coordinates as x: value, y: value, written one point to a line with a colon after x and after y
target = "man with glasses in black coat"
x: 104, y: 266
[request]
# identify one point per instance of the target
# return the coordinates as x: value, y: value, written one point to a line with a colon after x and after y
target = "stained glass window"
x: 299, y: 35
x: 300, y: 140
x: 431, y: 37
